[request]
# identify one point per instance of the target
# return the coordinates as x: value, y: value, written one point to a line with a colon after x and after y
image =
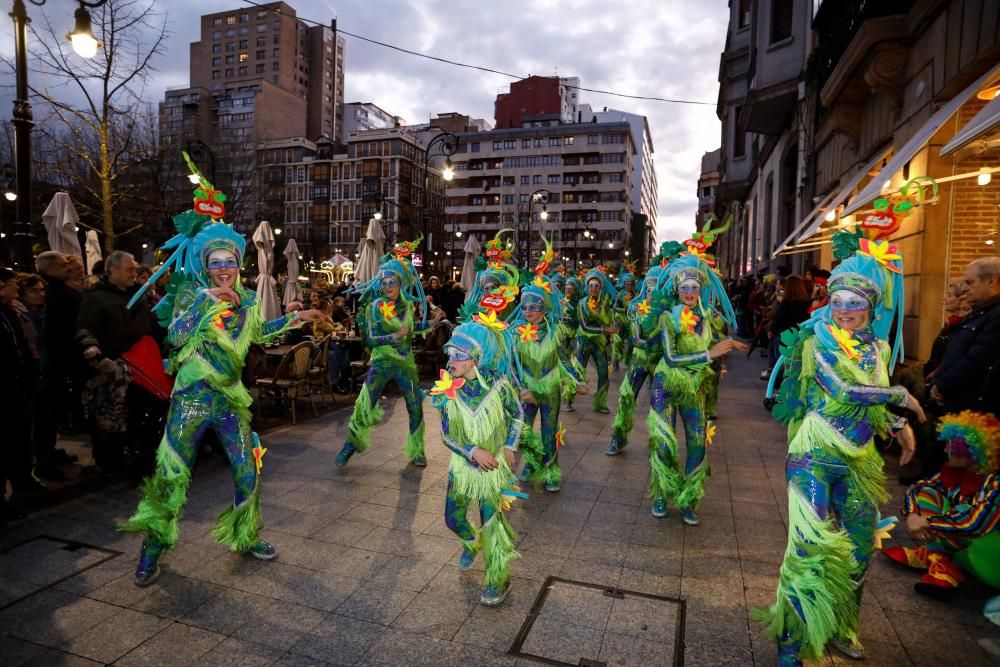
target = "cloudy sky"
x: 661, y: 48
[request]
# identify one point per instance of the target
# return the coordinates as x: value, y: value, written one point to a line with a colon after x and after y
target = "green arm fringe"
x: 694, y: 487
x: 415, y: 444
x: 666, y: 480
x: 163, y: 497
x: 625, y: 413
x: 499, y: 541
x: 239, y: 527
x: 363, y: 420
x: 817, y: 573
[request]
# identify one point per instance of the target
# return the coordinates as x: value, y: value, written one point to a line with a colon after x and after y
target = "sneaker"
x: 765, y: 375
x: 345, y: 455
x: 263, y: 550
x: 690, y: 517
x: 660, y: 507
x: 552, y: 487
x: 148, y: 569
x: 420, y: 461
x: 569, y: 408
x: 603, y: 411
x: 466, y: 559
x: 613, y: 449
x: 851, y: 649
x: 492, y: 597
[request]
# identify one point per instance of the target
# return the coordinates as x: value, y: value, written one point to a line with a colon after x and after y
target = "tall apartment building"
x: 708, y: 185
x: 323, y: 194
x: 361, y: 116
x: 582, y: 172
x: 257, y: 73
x: 537, y: 95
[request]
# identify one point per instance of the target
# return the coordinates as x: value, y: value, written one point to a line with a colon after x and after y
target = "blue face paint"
x: 844, y: 300
x: 216, y: 264
x: 532, y: 307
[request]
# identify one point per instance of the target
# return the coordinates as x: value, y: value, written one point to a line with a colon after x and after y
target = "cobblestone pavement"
x: 367, y: 573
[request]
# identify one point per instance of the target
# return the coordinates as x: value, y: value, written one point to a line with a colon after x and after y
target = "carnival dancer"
x: 959, y: 504
x: 481, y: 422
x: 389, y: 304
x: 622, y: 341
x: 596, y: 327
x: 496, y: 283
x: 835, y: 399
x: 211, y: 320
x: 679, y: 383
x: 539, y: 343
x: 570, y: 326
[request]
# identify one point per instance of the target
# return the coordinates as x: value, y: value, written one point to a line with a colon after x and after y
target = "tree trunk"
x: 107, y: 217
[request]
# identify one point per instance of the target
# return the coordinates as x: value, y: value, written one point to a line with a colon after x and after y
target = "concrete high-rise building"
x: 537, y: 95
x: 256, y: 74
x: 363, y: 116
x: 708, y: 185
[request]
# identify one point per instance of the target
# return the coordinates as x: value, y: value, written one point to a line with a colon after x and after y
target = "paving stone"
x: 643, y: 618
x: 338, y: 640
x: 228, y: 612
x: 565, y: 642
x: 178, y: 644
x: 627, y: 651
x: 111, y: 639
x: 280, y: 625
x: 435, y: 615
x: 173, y: 596
x: 52, y: 617
x: 377, y: 604
x: 239, y: 653
x: 318, y: 590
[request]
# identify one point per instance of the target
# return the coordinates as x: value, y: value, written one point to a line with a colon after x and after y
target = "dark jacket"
x: 18, y: 367
x: 106, y: 322
x: 969, y: 375
x: 62, y: 307
x: 788, y: 314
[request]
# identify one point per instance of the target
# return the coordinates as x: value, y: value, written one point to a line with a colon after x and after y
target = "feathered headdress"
x: 607, y: 287
x: 396, y: 264
x: 541, y: 289
x: 489, y: 344
x: 692, y: 266
x: 700, y: 242
x: 973, y: 435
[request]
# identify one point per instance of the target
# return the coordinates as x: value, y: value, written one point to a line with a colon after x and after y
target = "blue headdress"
x: 607, y: 287
x: 199, y: 232
x: 400, y: 267
x: 489, y: 347
x: 693, y: 267
x: 541, y: 289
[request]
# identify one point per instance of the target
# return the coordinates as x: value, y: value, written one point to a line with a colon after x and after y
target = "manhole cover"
x: 586, y: 625
x: 44, y: 561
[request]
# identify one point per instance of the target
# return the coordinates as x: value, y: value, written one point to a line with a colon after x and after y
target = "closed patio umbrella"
x: 293, y: 292
x: 267, y: 295
x: 372, y: 248
x: 60, y: 220
x: 93, y: 250
x: 472, y: 250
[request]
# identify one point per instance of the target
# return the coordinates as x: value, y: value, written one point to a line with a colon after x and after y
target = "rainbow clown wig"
x: 975, y: 436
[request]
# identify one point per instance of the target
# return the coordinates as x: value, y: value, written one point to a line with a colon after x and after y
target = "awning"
x: 987, y: 120
x: 816, y: 213
x: 842, y: 194
x: 917, y: 142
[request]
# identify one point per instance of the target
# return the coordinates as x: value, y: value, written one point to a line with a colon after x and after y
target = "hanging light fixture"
x: 82, y: 37
x: 448, y: 173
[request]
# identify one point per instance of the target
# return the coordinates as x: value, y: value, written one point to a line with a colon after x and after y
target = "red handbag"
x: 145, y: 363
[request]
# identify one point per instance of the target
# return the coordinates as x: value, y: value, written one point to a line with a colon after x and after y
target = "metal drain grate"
x: 44, y: 561
x: 587, y: 625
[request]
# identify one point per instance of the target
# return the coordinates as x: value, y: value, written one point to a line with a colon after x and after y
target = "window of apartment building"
x: 568, y: 141
x: 216, y: 75
x: 523, y: 199
x: 538, y: 143
x: 217, y: 20
x: 739, y: 136
x: 277, y: 25
x: 536, y: 179
x: 244, y: 30
x: 261, y: 27
x: 615, y: 178
x: 261, y: 41
x: 276, y: 40
x: 497, y: 145
x: 274, y: 79
x: 612, y: 139
x: 230, y: 60
x: 244, y: 57
x: 553, y: 179
x: 243, y: 70
x: 276, y: 53
x: 475, y: 147
x: 555, y: 141
x: 262, y: 14
x: 216, y: 48
x: 216, y: 61
x: 229, y: 72
x: 509, y: 144
x: 526, y: 180
x: 244, y: 18
x: 743, y: 15
x: 230, y: 46
x: 507, y: 199
x: 217, y: 34
x: 612, y: 158
x: 591, y: 139
x: 301, y: 174
x: 231, y: 32
x: 781, y: 19
x: 275, y: 66
x: 243, y: 45
x: 261, y: 54
x: 230, y: 20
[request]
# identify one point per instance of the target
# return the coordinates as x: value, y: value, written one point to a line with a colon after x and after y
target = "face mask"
x: 848, y: 301
x: 389, y: 283
x: 688, y: 287
x: 533, y: 306
x: 458, y: 354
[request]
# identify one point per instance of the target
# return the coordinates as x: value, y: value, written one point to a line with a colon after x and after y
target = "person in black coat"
x: 18, y: 379
x: 969, y: 375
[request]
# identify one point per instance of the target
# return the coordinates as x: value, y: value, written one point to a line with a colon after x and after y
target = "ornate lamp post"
x: 446, y: 144
x: 86, y: 46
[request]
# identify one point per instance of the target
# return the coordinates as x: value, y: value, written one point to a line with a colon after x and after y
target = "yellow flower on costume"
x: 388, y: 309
x: 543, y: 283
x: 592, y: 304
x: 882, y: 252
x: 688, y: 320
x: 510, y: 493
x: 528, y: 333
x: 848, y: 343
x: 643, y: 307
x: 218, y: 319
x: 258, y: 457
x: 883, y: 529
x: 489, y: 319
x: 447, y: 385
x: 709, y: 433
x: 560, y: 437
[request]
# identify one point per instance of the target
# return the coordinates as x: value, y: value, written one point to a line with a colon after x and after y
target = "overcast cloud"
x: 662, y: 48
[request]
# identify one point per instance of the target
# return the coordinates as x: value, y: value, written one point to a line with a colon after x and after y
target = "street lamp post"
x: 447, y: 145
x: 391, y: 234
x: 540, y: 195
x: 86, y: 46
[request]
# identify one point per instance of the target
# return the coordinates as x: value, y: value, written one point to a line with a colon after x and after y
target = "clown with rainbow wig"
x: 211, y: 321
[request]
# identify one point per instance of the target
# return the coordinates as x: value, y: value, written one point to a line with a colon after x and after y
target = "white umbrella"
x: 371, y: 251
x: 93, y: 250
x: 267, y: 295
x: 472, y: 250
x: 293, y: 292
x: 60, y: 220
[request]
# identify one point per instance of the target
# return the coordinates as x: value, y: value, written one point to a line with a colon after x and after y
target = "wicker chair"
x: 319, y: 374
x: 291, y: 376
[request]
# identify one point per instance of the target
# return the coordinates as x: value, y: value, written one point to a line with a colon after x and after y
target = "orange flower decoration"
x: 560, y: 437
x: 388, y: 309
x: 258, y: 457
x: 846, y: 340
x: 709, y: 433
x: 592, y: 304
x: 882, y: 252
x: 643, y: 307
x: 542, y: 283
x: 688, y: 320
x: 447, y: 385
x: 218, y: 320
x: 528, y: 333
x: 489, y: 319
